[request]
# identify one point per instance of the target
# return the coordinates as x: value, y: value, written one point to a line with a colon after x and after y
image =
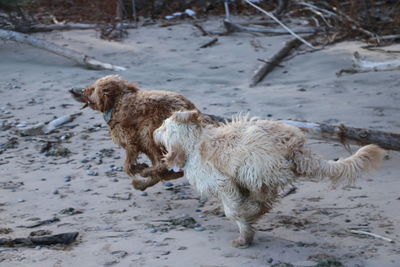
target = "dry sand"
x: 310, y: 225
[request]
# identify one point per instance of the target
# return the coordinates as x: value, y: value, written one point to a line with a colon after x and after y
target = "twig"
x: 386, y: 37
x: 357, y: 24
x: 291, y: 190
x: 203, y: 32
x: 311, y: 6
x: 359, y: 232
x: 209, y: 43
x: 376, y: 49
x: 43, y: 222
x: 280, y: 23
x: 32, y: 241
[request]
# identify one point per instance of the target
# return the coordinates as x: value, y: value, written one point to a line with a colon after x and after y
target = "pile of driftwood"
x: 323, y: 23
x: 375, y: 22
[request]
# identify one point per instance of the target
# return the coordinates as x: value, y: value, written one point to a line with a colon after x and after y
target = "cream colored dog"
x: 246, y: 162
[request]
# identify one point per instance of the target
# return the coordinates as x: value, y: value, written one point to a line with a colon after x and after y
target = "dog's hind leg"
x: 244, y: 211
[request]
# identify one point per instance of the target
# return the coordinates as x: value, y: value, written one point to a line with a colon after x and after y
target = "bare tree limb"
x: 341, y: 133
x: 78, y: 57
x: 348, y: 135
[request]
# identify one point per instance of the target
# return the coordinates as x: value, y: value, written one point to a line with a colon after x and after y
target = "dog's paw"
x: 137, y: 168
x: 146, y: 172
x: 139, y: 185
x: 240, y: 243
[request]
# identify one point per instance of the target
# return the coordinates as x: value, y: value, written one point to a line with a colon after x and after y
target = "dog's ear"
x: 107, y: 91
x: 176, y: 157
x: 191, y: 116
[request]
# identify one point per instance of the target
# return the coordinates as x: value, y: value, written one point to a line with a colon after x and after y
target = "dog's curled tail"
x: 343, y: 170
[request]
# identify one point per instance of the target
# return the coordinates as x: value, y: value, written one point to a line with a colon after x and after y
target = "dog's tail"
x: 343, y: 170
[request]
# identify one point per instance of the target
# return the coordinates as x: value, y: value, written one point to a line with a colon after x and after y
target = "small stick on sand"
x: 359, y: 232
x: 290, y: 191
x: 209, y: 43
x: 203, y: 31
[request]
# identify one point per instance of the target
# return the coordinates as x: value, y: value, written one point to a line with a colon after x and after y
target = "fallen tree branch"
x: 360, y: 65
x: 55, y: 27
x: 266, y: 67
x: 358, y: 232
x: 60, y: 121
x: 342, y: 134
x: 32, y: 241
x: 348, y: 135
x: 234, y: 27
x: 77, y: 57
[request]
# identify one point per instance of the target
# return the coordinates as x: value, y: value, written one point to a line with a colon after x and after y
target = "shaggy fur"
x: 134, y: 115
x: 246, y: 162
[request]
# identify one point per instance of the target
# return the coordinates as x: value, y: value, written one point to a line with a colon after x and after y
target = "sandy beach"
x: 79, y: 167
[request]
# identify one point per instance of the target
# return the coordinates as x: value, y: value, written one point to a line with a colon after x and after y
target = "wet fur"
x: 247, y: 161
x: 135, y: 115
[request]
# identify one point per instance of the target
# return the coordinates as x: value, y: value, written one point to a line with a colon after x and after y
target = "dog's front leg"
x: 132, y: 168
x: 161, y: 171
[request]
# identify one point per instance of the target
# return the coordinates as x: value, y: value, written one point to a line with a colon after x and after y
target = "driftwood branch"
x: 41, y: 128
x: 371, y: 234
x: 234, y: 27
x: 343, y: 134
x: 360, y: 65
x: 348, y: 135
x: 32, y: 241
x: 78, y: 57
x: 55, y: 27
x: 266, y: 67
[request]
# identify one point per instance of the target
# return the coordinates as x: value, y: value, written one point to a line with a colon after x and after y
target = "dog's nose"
x: 77, y: 94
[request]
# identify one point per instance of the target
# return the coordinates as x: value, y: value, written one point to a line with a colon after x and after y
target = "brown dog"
x: 132, y: 115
